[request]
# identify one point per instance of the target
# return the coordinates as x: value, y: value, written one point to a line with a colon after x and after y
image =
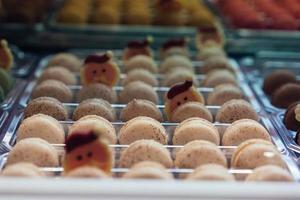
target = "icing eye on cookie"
x: 100, y: 69
x: 87, y: 149
x: 180, y: 94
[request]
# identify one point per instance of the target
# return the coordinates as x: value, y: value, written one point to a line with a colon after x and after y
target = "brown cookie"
x: 286, y: 95
x: 289, y: 119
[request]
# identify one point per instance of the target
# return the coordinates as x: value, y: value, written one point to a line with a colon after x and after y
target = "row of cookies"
x: 80, y: 160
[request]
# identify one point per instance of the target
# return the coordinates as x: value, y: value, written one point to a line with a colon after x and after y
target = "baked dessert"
x: 41, y: 126
x: 297, y: 138
x: 270, y: 173
x: 290, y: 121
x: 140, y: 75
x: 285, y: 95
x: 140, y: 62
x: 6, y: 56
x: 199, y: 152
x: 98, y: 107
x: 53, y: 88
x: 217, y: 62
x: 211, y: 172
x: 180, y: 94
x: 48, y: 106
x: 145, y: 150
x: 211, y: 51
x: 242, y: 130
x: 97, y: 90
x: 66, y: 60
x: 236, y: 109
x: 223, y: 93
x: 34, y: 150
x: 86, y: 172
x: 140, y: 107
x: 174, y: 46
x: 89, y: 122
x: 218, y: 77
x: 89, y: 148
x: 22, y: 169
x: 138, y: 12
x: 174, y: 61
x: 179, y: 75
x: 137, y: 47
x: 195, y: 129
x: 254, y: 153
x: 142, y: 128
x: 138, y: 90
x: 100, y: 69
x: 6, y: 81
x: 277, y: 78
x: 60, y: 74
x: 189, y: 110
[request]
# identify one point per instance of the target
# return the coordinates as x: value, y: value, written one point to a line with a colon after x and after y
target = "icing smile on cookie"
x: 100, y: 69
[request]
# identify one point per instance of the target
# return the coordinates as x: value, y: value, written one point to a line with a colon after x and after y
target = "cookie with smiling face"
x: 100, y: 69
x: 88, y: 148
x: 180, y: 94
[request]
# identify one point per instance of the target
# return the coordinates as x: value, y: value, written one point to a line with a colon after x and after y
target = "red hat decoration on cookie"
x: 137, y: 47
x: 100, y: 69
x: 180, y: 42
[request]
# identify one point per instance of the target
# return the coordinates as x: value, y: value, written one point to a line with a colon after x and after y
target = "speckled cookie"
x: 22, y: 169
x: 218, y: 77
x: 234, y: 110
x: 276, y: 79
x: 140, y: 107
x: 189, y: 110
x: 286, y: 95
x: 211, y: 172
x: 97, y: 90
x: 270, y: 173
x: 34, y: 150
x: 223, y: 93
x: 53, y: 88
x: 65, y: 60
x: 138, y: 90
x: 174, y: 61
x: 86, y: 172
x: 140, y: 62
x: 199, y: 152
x: 195, y: 129
x: 254, y: 153
x: 179, y: 75
x: 145, y: 150
x: 88, y: 122
x: 48, y: 106
x: 60, y: 74
x: 242, y: 130
x: 98, y: 107
x: 142, y: 128
x: 140, y: 75
x: 212, y: 51
x: 216, y: 63
x: 41, y: 126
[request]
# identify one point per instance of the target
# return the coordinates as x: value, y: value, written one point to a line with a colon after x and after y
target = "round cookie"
x: 199, y: 152
x: 211, y: 172
x: 53, y: 88
x: 137, y: 47
x: 236, y: 109
x: 223, y: 93
x: 86, y: 172
x: 6, y: 81
x: 41, y: 126
x: 285, y: 95
x: 212, y: 51
x: 216, y: 63
x: 138, y: 90
x: 270, y: 173
x: 145, y: 150
x: 97, y: 90
x: 22, y: 169
x: 65, y: 60
x: 174, y: 61
x: 179, y: 75
x: 297, y: 138
x: 254, y: 153
x: 195, y: 129
x: 60, y: 74
x: 152, y: 164
x: 140, y: 107
x: 242, y: 130
x: 176, y: 46
x: 48, y: 106
x: 141, y: 62
x: 142, y: 128
x: 289, y: 120
x: 218, y: 77
x: 34, y: 150
x: 189, y: 110
x: 89, y: 122
x: 98, y: 107
x: 276, y: 79
x: 140, y: 75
